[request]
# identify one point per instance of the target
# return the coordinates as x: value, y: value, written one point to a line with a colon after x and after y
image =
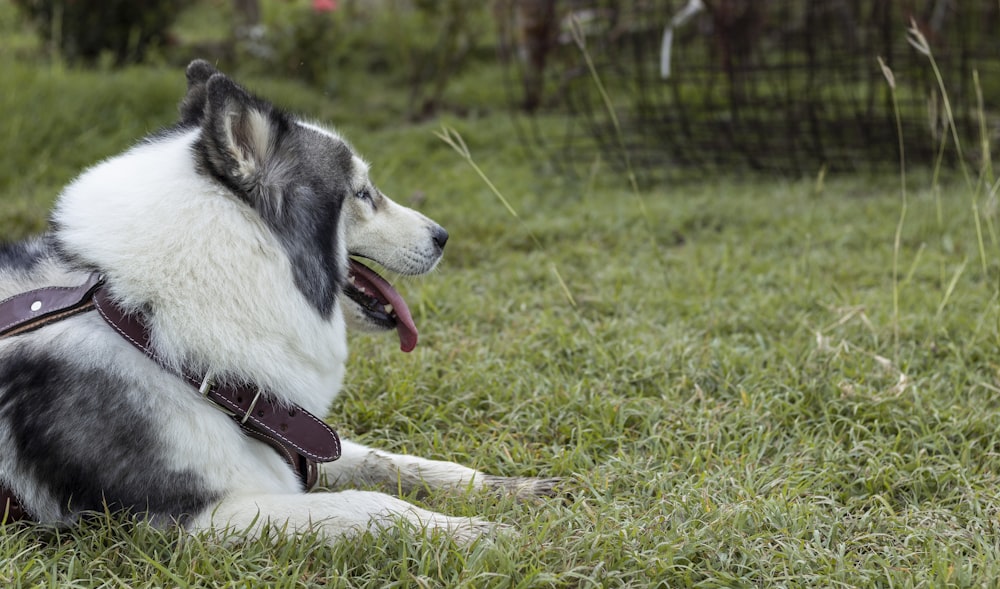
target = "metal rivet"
x: 36, y: 305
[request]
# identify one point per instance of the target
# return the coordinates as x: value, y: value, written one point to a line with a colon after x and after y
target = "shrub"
x: 83, y: 30
x: 421, y: 44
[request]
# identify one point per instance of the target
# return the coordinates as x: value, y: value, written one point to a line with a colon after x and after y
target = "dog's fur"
x: 231, y: 233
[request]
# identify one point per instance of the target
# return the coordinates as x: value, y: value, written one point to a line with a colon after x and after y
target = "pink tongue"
x: 405, y: 327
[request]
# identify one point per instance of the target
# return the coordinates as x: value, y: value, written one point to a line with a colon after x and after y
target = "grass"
x: 737, y: 399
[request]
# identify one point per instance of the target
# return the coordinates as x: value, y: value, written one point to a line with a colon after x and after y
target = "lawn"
x: 717, y: 368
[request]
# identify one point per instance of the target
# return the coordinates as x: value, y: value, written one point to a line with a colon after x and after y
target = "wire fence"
x: 787, y: 86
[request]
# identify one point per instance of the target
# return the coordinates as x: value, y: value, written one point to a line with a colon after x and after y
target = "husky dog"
x: 234, y: 235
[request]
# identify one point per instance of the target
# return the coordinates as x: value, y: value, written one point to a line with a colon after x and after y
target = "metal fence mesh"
x: 774, y: 85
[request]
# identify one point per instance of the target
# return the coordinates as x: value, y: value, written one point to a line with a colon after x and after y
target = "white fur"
x: 379, y: 230
x: 209, y: 311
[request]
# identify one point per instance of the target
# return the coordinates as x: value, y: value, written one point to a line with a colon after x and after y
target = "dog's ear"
x: 239, y: 139
x: 193, y: 106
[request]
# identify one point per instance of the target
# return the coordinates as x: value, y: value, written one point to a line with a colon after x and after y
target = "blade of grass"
x: 453, y: 139
x: 919, y: 42
x: 162, y: 569
x: 891, y: 80
x: 579, y: 39
x: 576, y: 31
x: 986, y: 177
x: 951, y: 288
x: 986, y: 172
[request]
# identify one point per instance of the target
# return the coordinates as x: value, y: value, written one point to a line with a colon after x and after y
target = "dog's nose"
x: 440, y: 236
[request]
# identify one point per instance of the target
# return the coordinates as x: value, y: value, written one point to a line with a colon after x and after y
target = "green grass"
x: 725, y: 399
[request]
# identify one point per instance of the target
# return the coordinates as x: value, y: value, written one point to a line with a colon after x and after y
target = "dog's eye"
x: 364, y: 194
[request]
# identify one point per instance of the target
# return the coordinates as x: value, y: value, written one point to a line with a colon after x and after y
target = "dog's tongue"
x: 405, y: 327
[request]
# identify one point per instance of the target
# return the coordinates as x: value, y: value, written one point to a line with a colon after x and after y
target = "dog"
x: 233, y: 240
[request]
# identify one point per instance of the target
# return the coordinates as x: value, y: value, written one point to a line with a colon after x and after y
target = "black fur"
x: 193, y: 106
x: 104, y: 456
x: 23, y: 255
x: 310, y: 214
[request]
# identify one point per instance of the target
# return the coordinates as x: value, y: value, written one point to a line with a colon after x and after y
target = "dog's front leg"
x: 363, y: 466
x: 334, y: 516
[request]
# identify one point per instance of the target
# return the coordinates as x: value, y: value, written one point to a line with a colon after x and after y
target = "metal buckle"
x: 253, y: 404
x: 206, y: 385
x: 205, y: 388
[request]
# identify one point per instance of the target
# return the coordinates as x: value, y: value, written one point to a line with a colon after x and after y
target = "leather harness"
x: 300, y: 437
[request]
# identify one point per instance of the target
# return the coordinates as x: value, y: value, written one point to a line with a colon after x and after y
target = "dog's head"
x: 310, y: 188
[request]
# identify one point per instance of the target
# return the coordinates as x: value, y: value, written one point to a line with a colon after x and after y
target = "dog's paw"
x: 464, y: 530
x: 526, y: 488
x: 475, y: 529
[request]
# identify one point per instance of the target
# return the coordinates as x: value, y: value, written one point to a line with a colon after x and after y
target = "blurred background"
x: 666, y: 87
x: 710, y: 298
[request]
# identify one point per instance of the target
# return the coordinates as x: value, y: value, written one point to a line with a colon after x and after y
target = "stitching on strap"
x: 309, y: 454
x: 121, y: 332
x: 47, y: 288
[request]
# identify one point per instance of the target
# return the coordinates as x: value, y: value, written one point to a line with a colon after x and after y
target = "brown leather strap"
x: 293, y: 428
x: 30, y: 310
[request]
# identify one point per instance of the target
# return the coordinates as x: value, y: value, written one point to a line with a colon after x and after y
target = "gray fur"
x: 193, y: 106
x: 299, y: 182
x: 84, y: 440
